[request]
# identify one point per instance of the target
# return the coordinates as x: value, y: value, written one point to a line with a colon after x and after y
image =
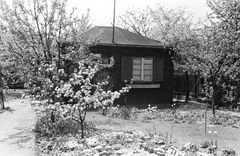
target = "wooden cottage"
x: 142, y: 63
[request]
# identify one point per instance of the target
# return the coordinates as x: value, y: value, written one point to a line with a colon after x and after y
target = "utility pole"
x: 113, y: 21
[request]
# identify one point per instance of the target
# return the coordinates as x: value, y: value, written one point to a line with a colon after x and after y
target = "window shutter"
x: 158, y: 69
x: 126, y: 68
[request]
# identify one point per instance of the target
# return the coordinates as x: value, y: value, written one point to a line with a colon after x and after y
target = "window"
x: 142, y: 69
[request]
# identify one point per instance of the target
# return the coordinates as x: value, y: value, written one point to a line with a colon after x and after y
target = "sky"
x: 101, y: 11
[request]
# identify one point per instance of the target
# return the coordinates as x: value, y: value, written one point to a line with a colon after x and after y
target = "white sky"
x: 101, y: 11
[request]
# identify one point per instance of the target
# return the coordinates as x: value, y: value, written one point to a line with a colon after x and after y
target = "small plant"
x: 61, y: 125
x: 120, y: 112
x: 114, y: 111
x: 125, y: 112
x: 226, y: 152
x: 205, y: 144
x: 151, y: 109
x: 223, y: 120
x: 169, y: 139
x: 134, y: 112
x: 150, y: 113
x: 152, y: 132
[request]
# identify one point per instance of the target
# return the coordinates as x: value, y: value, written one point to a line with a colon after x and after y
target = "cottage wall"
x: 141, y: 96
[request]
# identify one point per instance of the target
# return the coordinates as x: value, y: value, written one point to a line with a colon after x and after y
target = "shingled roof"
x: 121, y: 37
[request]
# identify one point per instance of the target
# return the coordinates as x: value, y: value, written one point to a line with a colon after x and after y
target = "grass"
x: 226, y: 137
x: 167, y: 123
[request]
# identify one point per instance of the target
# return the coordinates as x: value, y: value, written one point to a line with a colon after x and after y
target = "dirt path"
x: 16, y: 135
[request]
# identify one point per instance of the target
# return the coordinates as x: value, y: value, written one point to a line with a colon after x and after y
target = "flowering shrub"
x: 70, y: 90
x: 63, y: 124
x: 114, y: 111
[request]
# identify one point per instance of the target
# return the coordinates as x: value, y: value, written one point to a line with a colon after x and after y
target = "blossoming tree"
x: 35, y: 35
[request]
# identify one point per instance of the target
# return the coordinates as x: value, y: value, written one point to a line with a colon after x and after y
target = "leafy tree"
x: 174, y: 28
x: 70, y: 94
x: 210, y: 49
x: 219, y: 53
x: 137, y: 20
x: 31, y: 31
x: 44, y: 41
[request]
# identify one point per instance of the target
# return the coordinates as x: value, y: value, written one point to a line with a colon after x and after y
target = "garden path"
x: 16, y: 129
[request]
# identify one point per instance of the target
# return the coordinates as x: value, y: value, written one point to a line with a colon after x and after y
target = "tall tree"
x: 137, y: 20
x: 220, y: 51
x: 174, y: 28
x: 31, y: 29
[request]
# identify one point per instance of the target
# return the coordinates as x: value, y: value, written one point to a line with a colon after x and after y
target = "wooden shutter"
x: 158, y: 71
x: 126, y: 68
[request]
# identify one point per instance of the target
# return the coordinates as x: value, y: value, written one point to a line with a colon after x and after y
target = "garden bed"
x: 180, y: 130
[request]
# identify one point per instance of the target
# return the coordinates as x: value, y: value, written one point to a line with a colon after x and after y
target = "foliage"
x: 171, y: 27
x: 150, y: 113
x: 125, y: 112
x: 137, y: 20
x: 216, y: 56
x: 108, y: 75
x: 45, y: 43
x: 31, y: 32
x: 62, y: 125
x: 120, y: 112
x: 105, y: 142
x: 225, y: 121
x: 73, y: 94
x: 209, y: 49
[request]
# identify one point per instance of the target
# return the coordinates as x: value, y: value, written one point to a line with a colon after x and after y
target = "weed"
x: 125, y: 112
x: 150, y: 113
x: 120, y: 112
x: 223, y: 120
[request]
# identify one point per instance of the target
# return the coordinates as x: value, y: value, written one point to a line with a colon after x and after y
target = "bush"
x: 223, y: 120
x: 150, y: 113
x: 125, y: 112
x: 120, y: 112
x: 45, y: 125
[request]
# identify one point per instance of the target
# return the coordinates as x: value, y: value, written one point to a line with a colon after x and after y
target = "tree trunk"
x: 187, y: 89
x: 82, y: 129
x: 2, y: 100
x: 205, y: 121
x: 213, y: 102
x: 196, y: 86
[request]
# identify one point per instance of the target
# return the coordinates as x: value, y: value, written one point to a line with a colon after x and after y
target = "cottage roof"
x: 121, y: 37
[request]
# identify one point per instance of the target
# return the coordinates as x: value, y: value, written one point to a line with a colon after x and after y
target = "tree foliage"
x: 70, y: 92
x: 137, y: 20
x: 45, y: 42
x: 222, y: 51
x: 32, y: 29
x: 171, y: 27
x: 210, y: 49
